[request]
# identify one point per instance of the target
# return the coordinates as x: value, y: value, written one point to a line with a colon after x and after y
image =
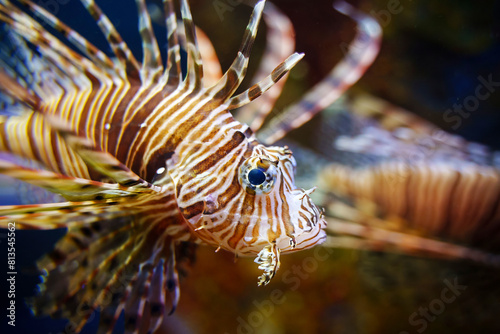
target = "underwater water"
x: 433, y: 55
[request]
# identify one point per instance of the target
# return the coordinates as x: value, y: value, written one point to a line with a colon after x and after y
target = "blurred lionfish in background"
x: 151, y: 162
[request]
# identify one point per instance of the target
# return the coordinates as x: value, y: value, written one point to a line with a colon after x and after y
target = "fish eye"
x: 257, y: 175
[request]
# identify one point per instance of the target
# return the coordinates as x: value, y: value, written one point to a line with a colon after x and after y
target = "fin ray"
x: 362, y: 52
x: 233, y: 77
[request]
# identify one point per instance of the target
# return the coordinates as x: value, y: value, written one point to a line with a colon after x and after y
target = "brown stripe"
x: 57, y: 256
x: 231, y: 81
x: 55, y: 148
x: 3, y: 135
x: 193, y: 210
x: 223, y: 151
x: 255, y: 230
x: 86, y: 114
x: 272, y: 236
x: 133, y: 132
x: 248, y: 132
x: 116, y: 122
x: 222, y: 227
x: 233, y: 190
x: 447, y: 226
x: 241, y: 226
x: 278, y: 72
x: 254, y: 92
x: 31, y: 136
x: 304, y: 217
x: 101, y: 134
x: 213, y: 115
x: 248, y: 40
x: 285, y: 212
x: 168, y: 144
x: 272, y: 218
x: 489, y: 223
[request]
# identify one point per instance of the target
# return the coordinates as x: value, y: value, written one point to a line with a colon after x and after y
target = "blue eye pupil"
x: 256, y: 177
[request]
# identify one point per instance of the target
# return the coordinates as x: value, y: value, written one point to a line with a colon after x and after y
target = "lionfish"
x: 148, y: 158
x: 398, y: 180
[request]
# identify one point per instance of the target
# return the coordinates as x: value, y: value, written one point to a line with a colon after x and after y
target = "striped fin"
x: 195, y: 67
x: 98, y: 234
x: 16, y: 75
x: 135, y: 306
x: 172, y: 279
x: 389, y: 116
x: 233, y: 77
x: 67, y: 68
x: 151, y: 63
x: 73, y: 81
x: 31, y: 137
x: 59, y: 215
x: 97, y: 265
x: 446, y: 199
x: 129, y: 299
x: 62, y: 291
x: 409, y: 130
x: 14, y: 58
x: 12, y: 88
x: 369, y: 128
x: 268, y: 82
x: 29, y: 68
x: 280, y: 42
x: 212, y: 71
x: 124, y: 275
x: 173, y: 72
x: 70, y: 64
x: 74, y: 37
x: 19, y: 71
x: 97, y: 257
x: 361, y: 54
x: 120, y: 48
x: 147, y: 285
x: 136, y: 300
x: 114, y: 301
x: 157, y: 297
x: 101, y: 161
x: 115, y: 267
x: 71, y: 188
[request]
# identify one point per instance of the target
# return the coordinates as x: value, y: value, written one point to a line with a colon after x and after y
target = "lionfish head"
x: 279, y: 213
x: 240, y: 196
